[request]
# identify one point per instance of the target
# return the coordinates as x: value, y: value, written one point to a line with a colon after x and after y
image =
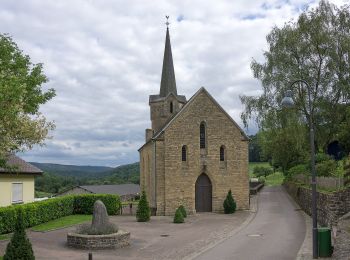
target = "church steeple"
x: 168, y: 83
x: 167, y: 103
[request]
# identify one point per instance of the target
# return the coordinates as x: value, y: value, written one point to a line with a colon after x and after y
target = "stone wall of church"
x: 160, y: 177
x: 180, y: 177
x: 146, y: 169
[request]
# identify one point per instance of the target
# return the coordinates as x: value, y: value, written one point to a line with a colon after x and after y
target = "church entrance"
x: 203, y: 194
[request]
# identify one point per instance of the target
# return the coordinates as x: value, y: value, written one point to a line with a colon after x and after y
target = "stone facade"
x: 115, y: 240
x: 330, y: 206
x: 168, y: 179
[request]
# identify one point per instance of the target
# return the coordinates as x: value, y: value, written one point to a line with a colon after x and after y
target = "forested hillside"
x: 74, y: 170
x: 57, y: 178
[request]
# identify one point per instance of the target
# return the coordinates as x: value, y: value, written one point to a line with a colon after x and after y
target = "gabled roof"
x: 202, y: 89
x: 121, y: 189
x: 17, y: 165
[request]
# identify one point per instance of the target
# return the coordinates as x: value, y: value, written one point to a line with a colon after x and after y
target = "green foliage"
x: 346, y: 166
x: 19, y: 246
x: 262, y: 171
x: 254, y: 149
x: 178, y: 217
x: 43, y: 211
x: 322, y: 157
x: 143, y: 212
x: 296, y: 170
x: 183, y: 211
x: 326, y: 168
x: 274, y: 179
x: 21, y: 123
x: 84, y: 204
x: 229, y: 204
x: 314, y: 48
x: 262, y: 179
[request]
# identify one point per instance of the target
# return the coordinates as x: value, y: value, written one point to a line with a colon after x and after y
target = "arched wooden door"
x: 203, y: 194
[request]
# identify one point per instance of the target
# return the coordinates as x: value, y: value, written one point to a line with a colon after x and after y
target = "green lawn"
x: 274, y: 179
x: 62, y: 222
x: 5, y: 236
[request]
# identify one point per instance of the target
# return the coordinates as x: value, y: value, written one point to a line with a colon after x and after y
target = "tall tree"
x: 21, y: 94
x: 315, y: 48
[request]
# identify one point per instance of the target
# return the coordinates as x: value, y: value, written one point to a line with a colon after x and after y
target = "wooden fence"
x: 323, y: 182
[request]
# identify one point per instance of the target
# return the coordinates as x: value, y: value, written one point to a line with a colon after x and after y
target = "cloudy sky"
x: 104, y: 59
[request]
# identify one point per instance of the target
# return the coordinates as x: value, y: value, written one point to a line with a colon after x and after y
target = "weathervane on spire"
x: 167, y: 21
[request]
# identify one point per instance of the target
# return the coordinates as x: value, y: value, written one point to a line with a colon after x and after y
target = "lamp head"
x: 287, y: 101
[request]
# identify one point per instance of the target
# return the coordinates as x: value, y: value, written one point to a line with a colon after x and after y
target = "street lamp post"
x: 288, y: 102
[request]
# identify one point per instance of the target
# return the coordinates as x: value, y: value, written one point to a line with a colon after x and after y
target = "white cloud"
x: 104, y: 58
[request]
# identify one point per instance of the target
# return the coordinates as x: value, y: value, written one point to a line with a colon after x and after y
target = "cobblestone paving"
x: 157, y: 239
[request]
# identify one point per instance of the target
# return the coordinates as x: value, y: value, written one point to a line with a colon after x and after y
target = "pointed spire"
x: 168, y: 83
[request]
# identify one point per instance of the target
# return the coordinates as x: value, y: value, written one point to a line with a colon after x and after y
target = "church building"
x: 194, y: 153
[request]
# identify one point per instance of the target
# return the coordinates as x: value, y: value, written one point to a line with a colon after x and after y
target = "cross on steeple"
x: 167, y: 21
x: 168, y: 83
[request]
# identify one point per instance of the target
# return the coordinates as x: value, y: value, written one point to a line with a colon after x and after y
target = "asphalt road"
x: 276, y: 232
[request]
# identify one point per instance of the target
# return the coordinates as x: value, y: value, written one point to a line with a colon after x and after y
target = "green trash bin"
x: 325, y: 248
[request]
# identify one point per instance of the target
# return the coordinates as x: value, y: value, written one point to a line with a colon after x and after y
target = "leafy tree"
x: 254, y: 149
x: 178, y: 218
x: 19, y: 247
x: 314, y: 48
x: 143, y: 213
x: 229, y: 204
x: 21, y: 123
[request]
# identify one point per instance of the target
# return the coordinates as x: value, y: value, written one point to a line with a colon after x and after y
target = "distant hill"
x: 74, y: 170
x: 59, y: 177
x: 130, y: 173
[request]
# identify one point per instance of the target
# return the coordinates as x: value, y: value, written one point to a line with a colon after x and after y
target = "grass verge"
x: 274, y: 179
x: 62, y: 222
x: 5, y: 236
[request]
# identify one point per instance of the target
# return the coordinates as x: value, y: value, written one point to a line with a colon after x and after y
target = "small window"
x: 202, y: 135
x: 17, y: 193
x: 184, y: 153
x: 171, y: 107
x: 222, y: 153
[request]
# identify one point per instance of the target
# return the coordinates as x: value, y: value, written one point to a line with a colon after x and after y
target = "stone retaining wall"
x: 116, y: 240
x: 330, y: 206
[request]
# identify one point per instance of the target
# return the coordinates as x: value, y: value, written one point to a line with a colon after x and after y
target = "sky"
x: 104, y: 59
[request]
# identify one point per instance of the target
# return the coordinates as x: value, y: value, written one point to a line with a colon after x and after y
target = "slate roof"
x: 121, y: 189
x: 167, y: 83
x: 17, y: 165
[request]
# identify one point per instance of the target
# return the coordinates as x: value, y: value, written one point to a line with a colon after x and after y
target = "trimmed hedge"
x: 85, y: 204
x: 43, y: 211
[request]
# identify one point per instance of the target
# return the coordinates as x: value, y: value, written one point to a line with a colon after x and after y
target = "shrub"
x: 143, y: 212
x: 84, y: 204
x: 296, y: 170
x: 183, y: 211
x: 322, y: 157
x: 19, y: 246
x: 326, y: 168
x: 229, y: 204
x: 262, y: 179
x: 262, y: 171
x: 178, y: 218
x: 43, y: 211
